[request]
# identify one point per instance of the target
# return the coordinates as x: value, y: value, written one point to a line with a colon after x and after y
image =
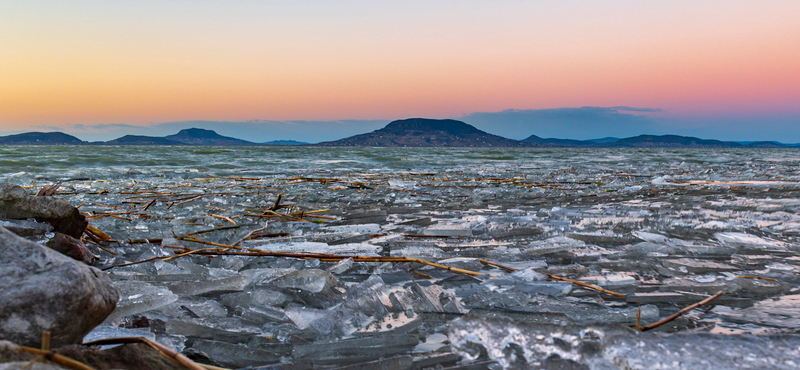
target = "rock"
x: 24, y: 365
x: 129, y: 356
x: 16, y: 203
x: 45, y: 290
x: 71, y: 247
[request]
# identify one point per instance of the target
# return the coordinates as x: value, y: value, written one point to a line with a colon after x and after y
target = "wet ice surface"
x: 666, y: 228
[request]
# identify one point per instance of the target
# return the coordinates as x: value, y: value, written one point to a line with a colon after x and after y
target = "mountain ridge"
x: 412, y: 132
x: 655, y: 141
x: 199, y: 136
x: 41, y: 138
x: 426, y: 132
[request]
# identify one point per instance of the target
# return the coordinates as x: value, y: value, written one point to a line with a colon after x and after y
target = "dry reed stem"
x: 226, y: 218
x: 277, y: 205
x: 550, y: 276
x: 639, y: 318
x: 58, y: 359
x: 757, y: 277
x: 45, y: 348
x: 576, y: 282
x: 97, y: 242
x: 218, y: 209
x: 150, y: 203
x: 195, y: 251
x: 103, y: 236
x: 273, y: 213
x: 320, y: 256
x: 429, y: 236
x: 45, y: 340
x: 185, y: 201
x: 132, y: 263
x: 44, y: 354
x: 681, y: 312
x: 268, y: 235
x: 250, y: 234
x: 163, y: 350
x: 145, y: 240
x: 214, y: 229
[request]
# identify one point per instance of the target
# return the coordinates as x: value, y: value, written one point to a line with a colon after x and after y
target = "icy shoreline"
x: 664, y: 237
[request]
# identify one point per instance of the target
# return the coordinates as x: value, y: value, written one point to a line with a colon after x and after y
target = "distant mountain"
x: 671, y: 141
x: 653, y: 141
x: 199, y: 136
x: 284, y: 143
x: 604, y: 140
x: 414, y: 132
x: 142, y: 140
x: 41, y: 138
x: 423, y: 132
x: 768, y: 144
x: 559, y: 142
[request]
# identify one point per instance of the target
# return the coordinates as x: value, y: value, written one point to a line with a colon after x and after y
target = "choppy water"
x: 21, y: 164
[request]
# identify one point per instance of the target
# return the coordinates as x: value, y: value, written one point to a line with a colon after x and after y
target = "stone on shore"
x: 16, y: 203
x: 45, y: 290
x: 71, y: 247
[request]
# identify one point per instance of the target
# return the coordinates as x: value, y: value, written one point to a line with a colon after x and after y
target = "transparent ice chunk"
x: 137, y: 296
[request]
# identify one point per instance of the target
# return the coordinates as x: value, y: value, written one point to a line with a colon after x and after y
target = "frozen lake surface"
x: 666, y: 228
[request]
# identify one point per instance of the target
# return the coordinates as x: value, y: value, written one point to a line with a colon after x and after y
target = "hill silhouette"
x: 423, y: 132
x: 41, y: 138
x: 199, y: 136
x: 142, y: 140
x: 413, y: 132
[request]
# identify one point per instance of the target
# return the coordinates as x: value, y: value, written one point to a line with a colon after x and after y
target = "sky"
x: 322, y: 70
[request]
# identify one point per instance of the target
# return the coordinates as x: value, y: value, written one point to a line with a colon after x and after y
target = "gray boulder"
x: 41, y: 289
x: 16, y: 203
x: 70, y: 247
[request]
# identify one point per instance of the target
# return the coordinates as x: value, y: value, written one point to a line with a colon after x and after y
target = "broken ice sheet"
x: 341, y: 266
x: 446, y: 230
x: 355, y: 350
x: 780, y: 313
x: 553, y: 245
x: 105, y: 331
x: 312, y: 281
x: 471, y: 264
x: 210, y: 286
x: 528, y: 281
x: 259, y: 314
x: 618, y: 282
x: 696, y: 266
x: 236, y: 355
x: 397, y: 323
x: 137, y: 296
x: 194, y: 307
x: 748, y: 241
x: 335, y: 321
x: 227, y: 329
x: 517, y: 345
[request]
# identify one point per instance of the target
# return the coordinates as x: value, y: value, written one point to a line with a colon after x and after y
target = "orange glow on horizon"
x: 363, y: 69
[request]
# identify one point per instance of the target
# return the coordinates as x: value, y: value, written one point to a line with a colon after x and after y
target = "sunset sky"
x: 320, y: 70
